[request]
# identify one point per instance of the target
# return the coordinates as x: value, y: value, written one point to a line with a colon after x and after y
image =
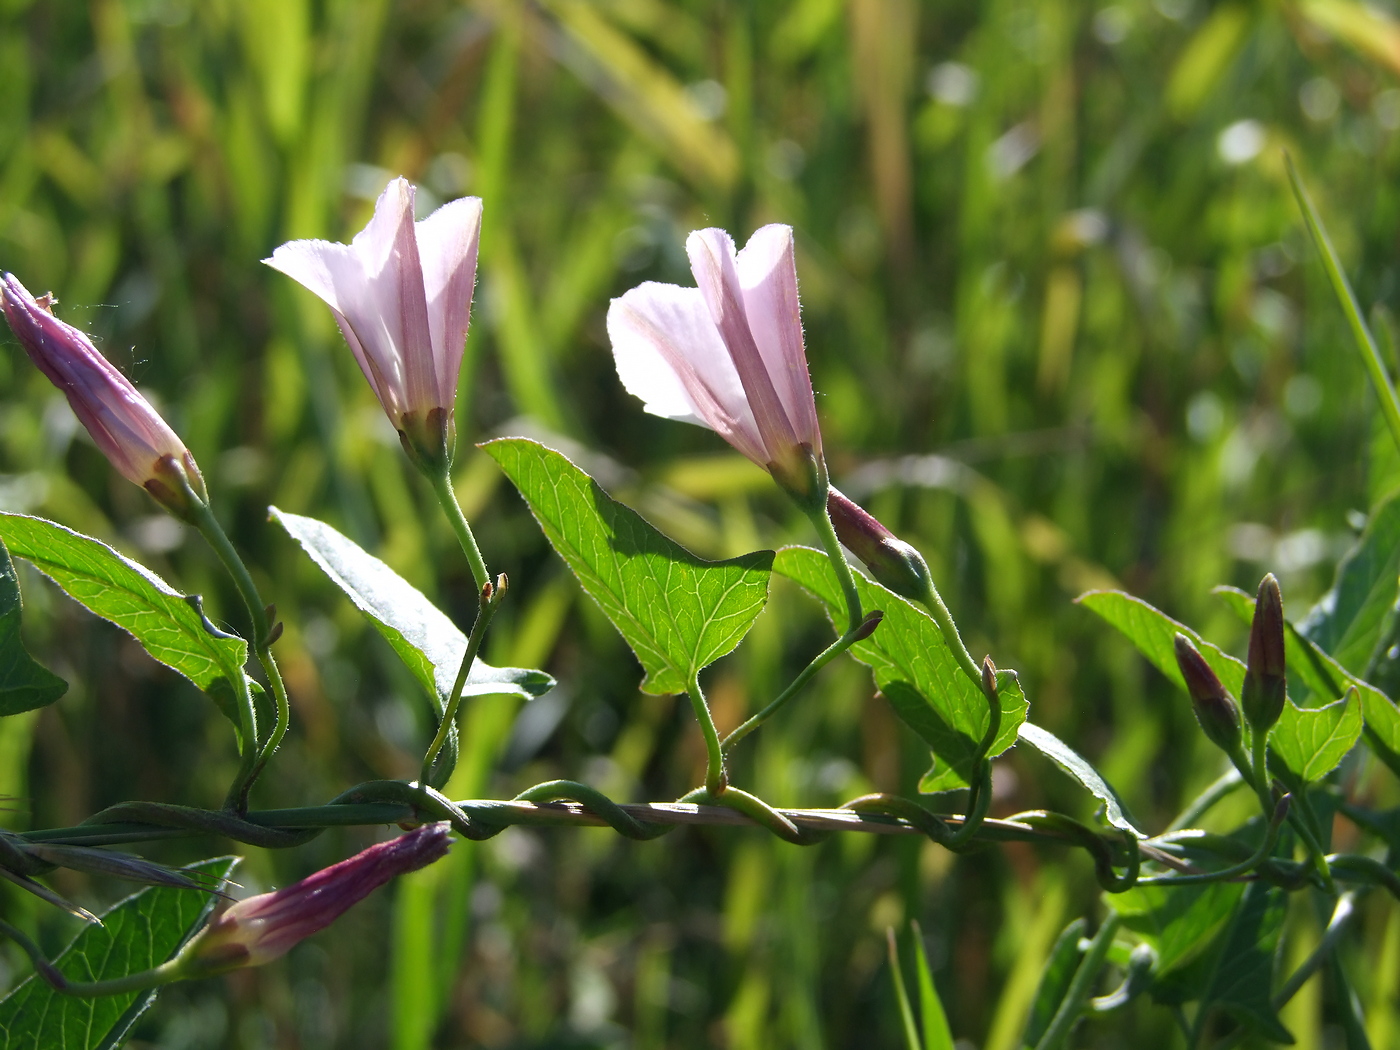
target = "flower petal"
x: 447, y: 247
x: 767, y: 271
x: 712, y: 260
x: 669, y: 354
x: 404, y: 272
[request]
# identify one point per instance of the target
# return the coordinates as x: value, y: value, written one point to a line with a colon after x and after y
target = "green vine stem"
x: 1082, y: 985
x: 490, y: 599
x: 933, y: 601
x: 169, y: 971
x: 821, y: 518
x: 255, y: 753
x: 715, y: 778
x: 447, y: 497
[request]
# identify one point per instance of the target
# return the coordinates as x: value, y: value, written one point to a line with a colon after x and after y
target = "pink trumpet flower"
x: 262, y: 928
x: 122, y: 423
x: 401, y: 292
x: 729, y: 354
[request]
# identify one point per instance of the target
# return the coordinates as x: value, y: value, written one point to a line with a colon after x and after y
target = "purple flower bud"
x: 123, y: 424
x: 1215, y: 711
x: 893, y: 562
x: 262, y: 928
x: 1265, y: 680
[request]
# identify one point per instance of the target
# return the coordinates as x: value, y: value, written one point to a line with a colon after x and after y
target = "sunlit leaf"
x: 423, y: 636
x: 916, y: 671
x: 24, y: 684
x: 1177, y: 921
x: 1073, y: 763
x: 1312, y: 741
x: 1152, y: 631
x: 169, y: 625
x: 142, y: 931
x: 679, y: 613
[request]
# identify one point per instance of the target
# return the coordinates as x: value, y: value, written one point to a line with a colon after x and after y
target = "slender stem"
x: 715, y: 780
x: 1228, y: 782
x: 447, y: 497
x: 1081, y: 986
x: 1342, y: 915
x: 132, y: 982
x: 257, y: 752
x: 490, y: 598
x: 823, y: 658
x: 1265, y: 850
x: 941, y: 616
x: 821, y: 518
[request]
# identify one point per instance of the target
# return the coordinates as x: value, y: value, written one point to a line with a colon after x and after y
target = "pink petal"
x: 404, y: 271
x: 767, y: 271
x: 447, y: 246
x: 670, y: 354
x: 712, y: 260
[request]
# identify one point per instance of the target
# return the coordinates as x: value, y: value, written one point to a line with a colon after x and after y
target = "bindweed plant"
x: 1192, y: 918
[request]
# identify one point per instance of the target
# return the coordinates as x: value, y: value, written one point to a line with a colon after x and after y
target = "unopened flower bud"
x: 891, y: 561
x: 1265, y: 682
x: 868, y: 625
x: 262, y: 928
x: 122, y: 423
x: 1215, y: 711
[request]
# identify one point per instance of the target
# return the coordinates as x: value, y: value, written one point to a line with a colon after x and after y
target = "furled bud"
x: 1265, y: 683
x: 262, y: 928
x: 1216, y: 712
x: 122, y: 423
x: 891, y: 561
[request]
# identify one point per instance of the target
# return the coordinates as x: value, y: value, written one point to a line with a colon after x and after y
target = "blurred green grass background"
x: 1065, y: 328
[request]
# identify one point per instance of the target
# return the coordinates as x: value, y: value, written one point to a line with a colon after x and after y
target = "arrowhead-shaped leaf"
x: 168, y: 624
x: 1078, y: 767
x: 423, y: 636
x: 142, y: 931
x: 916, y: 671
x: 24, y: 684
x: 679, y: 613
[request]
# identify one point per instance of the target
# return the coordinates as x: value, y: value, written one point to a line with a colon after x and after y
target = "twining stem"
x: 1300, y: 815
x: 715, y: 779
x: 1081, y: 986
x: 1265, y: 850
x: 941, y: 616
x: 823, y: 658
x: 821, y: 518
x: 490, y: 599
x: 447, y: 497
x: 255, y: 753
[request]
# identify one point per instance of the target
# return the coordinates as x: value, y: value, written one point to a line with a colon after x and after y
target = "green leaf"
x: 169, y: 625
x: 1179, y: 922
x: 1152, y: 631
x: 1241, y: 983
x: 140, y: 932
x: 425, y: 639
x: 1347, y: 622
x: 24, y: 684
x: 1054, y: 984
x: 916, y: 671
x: 932, y: 1017
x: 679, y: 613
x: 1312, y: 741
x: 1073, y: 763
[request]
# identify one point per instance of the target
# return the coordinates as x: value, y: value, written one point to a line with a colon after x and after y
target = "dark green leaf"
x: 916, y: 671
x: 1073, y: 763
x: 168, y: 624
x: 425, y: 639
x: 679, y: 613
x: 1152, y: 631
x: 1177, y: 921
x: 24, y: 684
x: 1347, y: 622
x: 1054, y: 984
x: 142, y: 931
x: 1241, y: 983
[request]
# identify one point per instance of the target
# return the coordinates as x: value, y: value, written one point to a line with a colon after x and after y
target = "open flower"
x: 402, y: 294
x: 729, y: 354
x: 262, y: 928
x: 122, y: 423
